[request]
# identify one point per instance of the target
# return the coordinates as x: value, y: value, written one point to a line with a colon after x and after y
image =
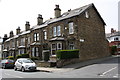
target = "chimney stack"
x: 18, y: 31
x: 112, y: 30
x: 27, y: 26
x: 5, y: 37
x: 39, y: 19
x: 57, y: 11
x: 11, y: 34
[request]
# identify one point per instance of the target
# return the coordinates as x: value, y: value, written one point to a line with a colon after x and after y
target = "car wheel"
x: 3, y: 67
x: 15, y: 68
x: 23, y: 69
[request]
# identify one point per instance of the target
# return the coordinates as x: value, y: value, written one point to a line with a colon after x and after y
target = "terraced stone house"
x: 82, y: 28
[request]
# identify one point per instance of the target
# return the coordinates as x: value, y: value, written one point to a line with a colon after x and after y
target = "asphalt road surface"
x: 105, y: 69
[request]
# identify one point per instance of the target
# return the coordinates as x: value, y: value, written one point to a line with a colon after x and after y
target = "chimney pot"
x: 11, y: 34
x: 57, y: 11
x: 18, y: 31
x: 5, y: 38
x: 69, y: 10
x: 39, y: 19
x: 5, y: 35
x: 27, y: 26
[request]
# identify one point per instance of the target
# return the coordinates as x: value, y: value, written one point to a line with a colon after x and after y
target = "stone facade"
x: 82, y: 28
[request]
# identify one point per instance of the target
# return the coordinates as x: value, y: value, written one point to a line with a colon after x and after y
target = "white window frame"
x: 22, y: 41
x: 52, y: 46
x: 17, y: 43
x: 60, y: 46
x: 45, y: 35
x: 71, y: 44
x: 58, y: 30
x: 33, y: 52
x: 28, y: 40
x: 21, y: 51
x: 37, y: 51
x: 13, y: 44
x: 34, y: 36
x: 53, y: 49
x: 71, y: 28
x: 54, y: 32
x: 38, y: 36
x: 86, y: 14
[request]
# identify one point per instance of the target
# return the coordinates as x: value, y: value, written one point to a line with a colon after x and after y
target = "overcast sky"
x: 14, y: 13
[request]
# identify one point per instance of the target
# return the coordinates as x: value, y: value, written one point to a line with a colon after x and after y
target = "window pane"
x: 45, y: 35
x: 54, y: 31
x: 58, y: 31
x: 37, y: 52
x: 33, y: 52
x: 37, y: 36
x: 28, y: 40
x: 86, y: 14
x: 59, y: 46
x: 71, y: 45
x: 53, y: 46
x: 71, y: 29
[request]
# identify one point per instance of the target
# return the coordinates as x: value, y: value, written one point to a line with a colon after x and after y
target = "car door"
x: 19, y: 64
x: 3, y: 63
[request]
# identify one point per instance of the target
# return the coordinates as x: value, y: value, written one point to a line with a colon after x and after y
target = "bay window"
x: 35, y: 51
x: 71, y: 45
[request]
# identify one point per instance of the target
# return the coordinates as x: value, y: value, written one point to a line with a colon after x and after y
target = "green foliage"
x: 34, y: 58
x: 18, y: 56
x: 22, y: 56
x: 67, y: 54
x: 11, y: 57
x: 25, y: 55
x: 113, y: 49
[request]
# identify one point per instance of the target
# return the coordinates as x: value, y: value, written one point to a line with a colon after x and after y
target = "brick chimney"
x: 27, y: 26
x: 5, y: 37
x: 11, y: 34
x: 112, y: 30
x: 39, y: 19
x: 18, y: 31
x: 57, y: 11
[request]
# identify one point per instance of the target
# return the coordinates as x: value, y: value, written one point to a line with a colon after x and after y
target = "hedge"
x: 22, y: 56
x: 67, y: 54
x: 11, y: 57
x: 113, y: 49
x: 33, y: 58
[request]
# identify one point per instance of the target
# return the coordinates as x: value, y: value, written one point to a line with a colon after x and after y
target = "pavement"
x: 75, y: 66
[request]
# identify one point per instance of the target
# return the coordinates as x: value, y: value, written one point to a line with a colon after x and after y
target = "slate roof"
x: 25, y: 32
x: 113, y: 34
x: 71, y: 13
x: 65, y: 15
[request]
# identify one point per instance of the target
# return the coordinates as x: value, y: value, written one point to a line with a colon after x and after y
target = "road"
x: 106, y: 69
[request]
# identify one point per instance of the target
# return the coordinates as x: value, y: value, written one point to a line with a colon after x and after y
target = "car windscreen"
x: 3, y: 61
x: 11, y: 61
x: 27, y: 61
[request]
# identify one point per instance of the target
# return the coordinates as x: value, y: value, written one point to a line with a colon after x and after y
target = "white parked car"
x: 24, y: 64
